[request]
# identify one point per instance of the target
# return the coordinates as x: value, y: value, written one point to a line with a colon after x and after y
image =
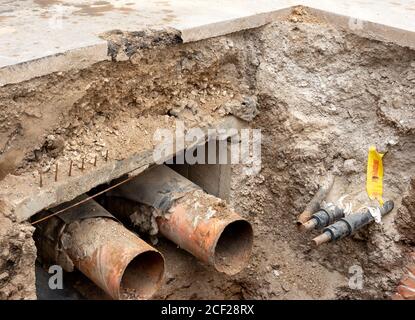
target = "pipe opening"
x: 143, y: 276
x: 234, y: 247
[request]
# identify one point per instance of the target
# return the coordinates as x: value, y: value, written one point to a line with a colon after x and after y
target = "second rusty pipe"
x: 115, y: 259
x: 197, y: 222
x: 224, y: 241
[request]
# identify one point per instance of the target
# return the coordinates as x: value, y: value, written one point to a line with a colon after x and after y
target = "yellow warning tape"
x: 374, y: 175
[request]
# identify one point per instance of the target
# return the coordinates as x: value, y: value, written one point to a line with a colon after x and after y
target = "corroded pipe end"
x: 322, y: 238
x: 309, y: 225
x: 114, y: 258
x: 223, y: 240
x: 233, y: 248
x: 118, y: 261
x: 143, y: 276
x: 305, y: 216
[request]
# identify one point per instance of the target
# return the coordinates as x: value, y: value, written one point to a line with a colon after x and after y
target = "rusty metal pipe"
x: 115, y: 259
x: 224, y: 242
x: 197, y: 222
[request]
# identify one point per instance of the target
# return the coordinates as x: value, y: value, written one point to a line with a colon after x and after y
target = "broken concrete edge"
x: 367, y: 29
x: 79, y: 58
x: 234, y: 25
x: 84, y: 57
x: 59, y: 193
x: 122, y: 45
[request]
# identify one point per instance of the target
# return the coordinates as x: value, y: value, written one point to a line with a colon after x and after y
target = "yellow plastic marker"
x: 374, y: 175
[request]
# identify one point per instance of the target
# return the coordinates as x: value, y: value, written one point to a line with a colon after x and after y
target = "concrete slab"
x: 66, y: 32
x: 391, y: 21
x: 34, y: 198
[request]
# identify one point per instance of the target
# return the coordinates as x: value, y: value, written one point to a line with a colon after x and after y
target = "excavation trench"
x: 82, y: 234
x: 320, y: 95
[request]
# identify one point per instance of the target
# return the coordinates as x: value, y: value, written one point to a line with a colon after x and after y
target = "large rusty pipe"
x: 197, y: 222
x: 114, y: 258
x: 224, y: 241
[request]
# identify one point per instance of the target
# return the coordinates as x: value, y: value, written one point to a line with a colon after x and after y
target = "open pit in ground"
x: 321, y: 97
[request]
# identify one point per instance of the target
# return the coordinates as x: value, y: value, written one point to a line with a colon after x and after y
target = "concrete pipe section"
x: 197, y: 222
x: 115, y: 259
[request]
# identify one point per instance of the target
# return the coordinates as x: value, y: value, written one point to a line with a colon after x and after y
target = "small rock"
x: 286, y: 287
x: 4, y: 276
x: 392, y: 142
x: 350, y: 166
x: 5, y: 253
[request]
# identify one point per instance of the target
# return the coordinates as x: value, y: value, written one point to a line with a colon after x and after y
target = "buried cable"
x: 350, y: 224
x: 325, y: 216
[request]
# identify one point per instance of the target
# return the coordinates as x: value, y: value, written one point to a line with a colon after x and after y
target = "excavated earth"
x: 321, y: 97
